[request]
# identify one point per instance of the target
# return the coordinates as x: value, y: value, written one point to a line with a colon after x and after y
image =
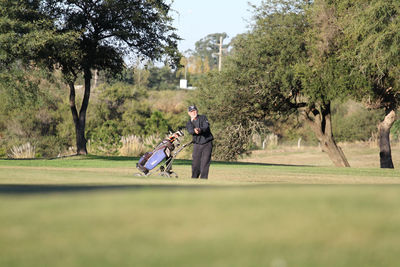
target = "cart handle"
x: 182, y: 147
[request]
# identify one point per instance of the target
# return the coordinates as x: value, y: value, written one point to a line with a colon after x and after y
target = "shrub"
x: 156, y: 124
x: 106, y: 138
x: 352, y: 122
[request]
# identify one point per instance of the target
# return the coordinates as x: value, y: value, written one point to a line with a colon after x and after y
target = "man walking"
x: 199, y: 127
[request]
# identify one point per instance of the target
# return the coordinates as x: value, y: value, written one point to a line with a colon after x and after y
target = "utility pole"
x: 186, y: 69
x: 220, y: 54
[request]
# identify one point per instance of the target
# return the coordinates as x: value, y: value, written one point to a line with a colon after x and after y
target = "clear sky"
x: 195, y: 19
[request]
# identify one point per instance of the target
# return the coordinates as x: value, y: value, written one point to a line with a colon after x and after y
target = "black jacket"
x: 205, y: 134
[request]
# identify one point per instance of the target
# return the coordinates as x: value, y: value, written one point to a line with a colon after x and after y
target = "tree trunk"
x: 80, y: 119
x: 320, y: 122
x: 385, y: 153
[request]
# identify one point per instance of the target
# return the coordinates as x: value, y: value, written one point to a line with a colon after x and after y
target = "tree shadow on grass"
x: 18, y: 189
x: 189, y: 162
x: 11, y: 189
x: 111, y: 158
x: 235, y: 163
x: 78, y: 157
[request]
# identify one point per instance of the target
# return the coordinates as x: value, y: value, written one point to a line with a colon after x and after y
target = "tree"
x: 87, y: 35
x: 371, y: 46
x: 30, y: 113
x: 162, y: 78
x: 233, y: 109
x: 195, y: 65
x: 157, y: 124
x: 274, y: 71
x: 118, y: 105
x: 207, y: 48
x: 26, y: 34
x: 321, y: 76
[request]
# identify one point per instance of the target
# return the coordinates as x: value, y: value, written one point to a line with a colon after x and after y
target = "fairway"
x: 92, y: 211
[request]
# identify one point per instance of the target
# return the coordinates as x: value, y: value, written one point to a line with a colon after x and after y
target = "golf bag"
x: 163, y: 150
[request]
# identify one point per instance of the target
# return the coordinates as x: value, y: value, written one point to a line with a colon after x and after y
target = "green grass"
x: 73, y: 162
x: 109, y: 170
x: 92, y: 211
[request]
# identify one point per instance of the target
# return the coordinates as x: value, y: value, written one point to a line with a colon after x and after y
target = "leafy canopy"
x: 371, y: 46
x: 86, y: 34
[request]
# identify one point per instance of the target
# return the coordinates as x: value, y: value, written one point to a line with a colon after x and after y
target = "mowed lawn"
x: 92, y: 211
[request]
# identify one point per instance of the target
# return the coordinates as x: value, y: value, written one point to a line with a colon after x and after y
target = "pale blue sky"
x: 195, y: 19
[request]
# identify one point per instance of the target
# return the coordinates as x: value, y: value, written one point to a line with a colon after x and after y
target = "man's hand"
x: 197, y: 130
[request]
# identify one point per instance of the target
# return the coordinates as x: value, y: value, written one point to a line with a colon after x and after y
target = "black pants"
x: 201, y: 160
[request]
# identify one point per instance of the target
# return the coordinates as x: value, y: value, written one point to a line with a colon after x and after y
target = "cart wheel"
x: 173, y: 174
x: 165, y: 174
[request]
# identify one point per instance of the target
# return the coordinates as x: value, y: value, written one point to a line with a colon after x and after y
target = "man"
x: 199, y: 127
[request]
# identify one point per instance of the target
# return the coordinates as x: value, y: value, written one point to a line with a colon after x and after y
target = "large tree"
x: 276, y: 70
x: 371, y: 47
x: 85, y: 35
x: 322, y: 75
x: 257, y: 83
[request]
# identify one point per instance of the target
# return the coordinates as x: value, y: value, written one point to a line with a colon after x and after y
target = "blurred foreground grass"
x: 92, y: 211
x: 268, y: 225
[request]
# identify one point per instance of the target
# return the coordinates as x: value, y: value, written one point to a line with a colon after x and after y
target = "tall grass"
x: 135, y: 146
x: 24, y: 151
